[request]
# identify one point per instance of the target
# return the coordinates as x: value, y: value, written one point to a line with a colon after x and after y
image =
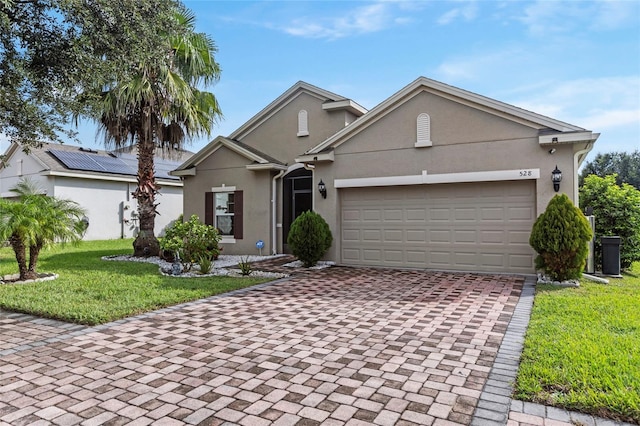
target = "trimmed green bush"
x: 191, y: 241
x: 617, y: 212
x: 309, y: 238
x: 560, y: 236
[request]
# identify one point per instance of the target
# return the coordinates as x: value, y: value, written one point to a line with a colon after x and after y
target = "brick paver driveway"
x: 341, y: 346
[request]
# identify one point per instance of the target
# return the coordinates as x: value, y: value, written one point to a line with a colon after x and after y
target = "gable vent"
x: 423, y: 130
x: 303, y: 124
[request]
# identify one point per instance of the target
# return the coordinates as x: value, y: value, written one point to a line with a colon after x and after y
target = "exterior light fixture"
x: 556, y: 177
x: 322, y: 188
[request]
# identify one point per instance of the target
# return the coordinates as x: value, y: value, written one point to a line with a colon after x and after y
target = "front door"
x: 297, y: 199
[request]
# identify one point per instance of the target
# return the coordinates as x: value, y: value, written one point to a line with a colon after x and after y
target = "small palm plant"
x: 35, y: 221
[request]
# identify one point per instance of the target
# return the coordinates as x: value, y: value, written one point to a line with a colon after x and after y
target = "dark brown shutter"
x: 237, y: 199
x: 208, y: 208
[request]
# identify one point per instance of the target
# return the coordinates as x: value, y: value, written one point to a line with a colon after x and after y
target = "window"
x: 223, y: 209
x: 303, y: 124
x: 224, y: 212
x: 423, y: 136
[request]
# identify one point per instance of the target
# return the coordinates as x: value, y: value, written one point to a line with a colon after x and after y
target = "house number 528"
x: 526, y: 173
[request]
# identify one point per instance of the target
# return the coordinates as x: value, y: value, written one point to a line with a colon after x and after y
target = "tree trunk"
x: 34, y: 253
x: 146, y: 244
x: 21, y: 257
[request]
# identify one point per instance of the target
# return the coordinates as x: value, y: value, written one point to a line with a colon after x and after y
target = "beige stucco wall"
x: 465, y: 139
x: 278, y: 138
x: 227, y: 168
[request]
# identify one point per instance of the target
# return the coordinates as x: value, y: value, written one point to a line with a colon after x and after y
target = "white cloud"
x: 467, y: 12
x: 365, y: 19
x: 592, y: 102
x: 544, y: 18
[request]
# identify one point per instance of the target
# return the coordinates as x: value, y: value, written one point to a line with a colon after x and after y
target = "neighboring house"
x: 433, y: 177
x: 100, y: 181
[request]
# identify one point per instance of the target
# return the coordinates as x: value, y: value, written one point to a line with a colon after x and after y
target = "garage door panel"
x: 393, y: 236
x: 520, y: 213
x: 478, y: 227
x: 393, y: 215
x: 371, y: 215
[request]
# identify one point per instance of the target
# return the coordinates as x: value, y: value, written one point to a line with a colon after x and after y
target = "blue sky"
x: 576, y: 61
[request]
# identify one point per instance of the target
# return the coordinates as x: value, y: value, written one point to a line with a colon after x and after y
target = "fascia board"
x: 212, y: 147
x: 267, y: 166
x: 184, y: 172
x: 164, y: 182
x: 316, y: 158
x: 566, y: 138
x: 199, y: 156
x: 347, y: 105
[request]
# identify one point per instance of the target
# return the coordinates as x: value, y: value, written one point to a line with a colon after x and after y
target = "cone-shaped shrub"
x: 309, y: 238
x: 560, y: 236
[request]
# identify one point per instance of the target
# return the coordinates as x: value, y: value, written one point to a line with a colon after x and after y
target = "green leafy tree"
x: 626, y: 167
x: 192, y: 242
x: 53, y: 50
x: 560, y: 236
x: 309, y: 238
x: 34, y: 221
x: 160, y: 106
x: 617, y: 213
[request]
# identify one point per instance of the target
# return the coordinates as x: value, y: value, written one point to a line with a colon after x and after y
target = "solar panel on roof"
x: 125, y: 165
x: 76, y: 160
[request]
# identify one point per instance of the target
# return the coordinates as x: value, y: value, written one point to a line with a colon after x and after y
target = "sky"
x: 575, y: 61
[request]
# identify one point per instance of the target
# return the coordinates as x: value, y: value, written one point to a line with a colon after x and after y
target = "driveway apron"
x: 339, y: 346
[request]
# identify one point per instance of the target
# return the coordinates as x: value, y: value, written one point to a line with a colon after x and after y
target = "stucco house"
x: 100, y: 181
x: 433, y: 177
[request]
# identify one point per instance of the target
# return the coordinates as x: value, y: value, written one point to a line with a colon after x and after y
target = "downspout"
x: 578, y: 158
x: 274, y: 212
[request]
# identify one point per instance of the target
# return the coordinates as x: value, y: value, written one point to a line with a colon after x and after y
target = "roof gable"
x: 333, y: 101
x: 250, y: 153
x: 461, y: 96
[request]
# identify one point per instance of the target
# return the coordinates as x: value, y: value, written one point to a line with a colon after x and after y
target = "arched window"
x: 303, y: 125
x: 423, y: 130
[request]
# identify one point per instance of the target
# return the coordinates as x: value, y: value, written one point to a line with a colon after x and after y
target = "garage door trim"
x: 427, y: 179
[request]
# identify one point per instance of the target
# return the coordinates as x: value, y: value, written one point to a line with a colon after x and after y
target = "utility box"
x: 611, y: 256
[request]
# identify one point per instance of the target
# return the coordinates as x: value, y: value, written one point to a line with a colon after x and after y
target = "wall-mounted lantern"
x: 556, y: 178
x: 322, y: 188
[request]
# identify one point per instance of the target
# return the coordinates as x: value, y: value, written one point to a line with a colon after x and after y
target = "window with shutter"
x: 223, y: 209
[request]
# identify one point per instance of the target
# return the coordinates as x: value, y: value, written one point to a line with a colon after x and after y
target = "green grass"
x: 93, y: 291
x: 582, y: 349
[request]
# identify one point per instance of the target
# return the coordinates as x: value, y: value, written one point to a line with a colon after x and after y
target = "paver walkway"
x: 338, y: 346
x: 341, y: 346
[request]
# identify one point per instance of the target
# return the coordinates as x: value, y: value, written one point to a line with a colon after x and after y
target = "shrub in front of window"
x: 309, y: 238
x: 191, y: 241
x: 560, y: 236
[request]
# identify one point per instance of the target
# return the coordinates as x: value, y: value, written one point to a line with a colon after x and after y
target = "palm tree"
x: 158, y: 108
x: 35, y: 221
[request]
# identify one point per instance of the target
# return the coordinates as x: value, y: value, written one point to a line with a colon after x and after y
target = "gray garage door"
x: 467, y: 227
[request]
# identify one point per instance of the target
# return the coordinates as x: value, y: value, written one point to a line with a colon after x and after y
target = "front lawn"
x: 582, y: 349
x: 93, y: 291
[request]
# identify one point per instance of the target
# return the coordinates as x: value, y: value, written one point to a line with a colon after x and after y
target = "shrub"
x: 617, y: 212
x: 309, y: 238
x: 245, y: 266
x: 206, y: 263
x: 560, y: 236
x: 191, y: 241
